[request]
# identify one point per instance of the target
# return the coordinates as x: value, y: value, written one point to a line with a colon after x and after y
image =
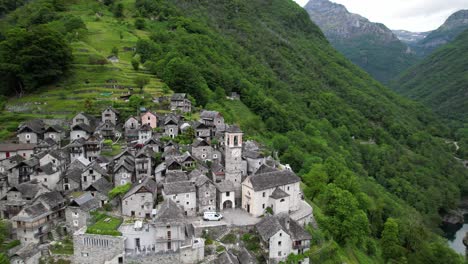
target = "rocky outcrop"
x: 372, y: 46
x: 453, y: 217
x: 453, y: 26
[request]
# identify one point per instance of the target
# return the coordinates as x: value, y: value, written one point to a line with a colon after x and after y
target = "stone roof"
x: 200, y: 180
x: 16, y: 159
x: 265, y: 169
x: 33, y: 212
x: 178, y: 96
x: 111, y: 109
x: 77, y: 143
x: 36, y: 126
x: 178, y: 187
x: 28, y: 190
x: 52, y: 199
x: 147, y: 185
x: 200, y: 143
x: 225, y: 186
x: 270, y: 180
x: 86, y: 202
x: 233, y: 129
x: 278, y: 194
x: 268, y: 226
x: 171, y: 119
x: 252, y: 154
x: 48, y: 169
x: 54, y: 128
x: 209, y: 115
x: 176, y: 176
x: 84, y: 127
x: 95, y: 166
x: 125, y: 162
x: 102, y: 185
x: 145, y: 127
x: 9, y: 147
x: 74, y: 174
x: 169, y: 212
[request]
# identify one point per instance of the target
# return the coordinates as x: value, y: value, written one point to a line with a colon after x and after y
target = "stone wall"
x: 97, y: 249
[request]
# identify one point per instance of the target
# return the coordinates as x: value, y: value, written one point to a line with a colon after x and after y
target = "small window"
x: 279, y: 253
x: 263, y: 206
x: 187, y: 195
x: 45, y: 179
x: 288, y: 188
x: 263, y: 194
x: 90, y: 171
x: 280, y: 234
x: 279, y: 243
x: 215, y: 156
x: 228, y: 194
x: 282, y: 200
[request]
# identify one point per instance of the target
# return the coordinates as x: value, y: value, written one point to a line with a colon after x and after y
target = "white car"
x: 212, y: 216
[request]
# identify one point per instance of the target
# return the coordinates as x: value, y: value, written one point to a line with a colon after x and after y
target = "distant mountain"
x: 409, y: 37
x: 453, y: 26
x: 372, y: 46
x: 441, y: 80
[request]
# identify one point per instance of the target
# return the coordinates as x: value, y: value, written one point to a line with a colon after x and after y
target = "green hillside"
x: 373, y: 162
x: 440, y: 81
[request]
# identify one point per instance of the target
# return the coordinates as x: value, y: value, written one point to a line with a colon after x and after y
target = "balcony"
x: 301, y: 244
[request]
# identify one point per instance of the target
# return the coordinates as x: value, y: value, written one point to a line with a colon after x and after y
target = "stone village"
x: 144, y: 203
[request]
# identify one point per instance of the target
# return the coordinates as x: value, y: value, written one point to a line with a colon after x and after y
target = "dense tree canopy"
x: 30, y: 58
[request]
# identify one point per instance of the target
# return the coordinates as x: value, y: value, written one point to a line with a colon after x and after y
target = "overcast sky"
x: 412, y: 15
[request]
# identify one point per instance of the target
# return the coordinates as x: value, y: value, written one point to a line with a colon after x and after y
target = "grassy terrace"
x: 104, y: 225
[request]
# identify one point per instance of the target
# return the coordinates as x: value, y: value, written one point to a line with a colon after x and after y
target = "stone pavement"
x: 232, y: 217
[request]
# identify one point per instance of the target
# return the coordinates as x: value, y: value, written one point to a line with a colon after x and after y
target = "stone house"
x: 180, y: 102
x: 139, y: 201
x: 170, y: 223
x: 59, y: 159
x: 46, y: 145
x: 17, y: 197
x: 55, y: 133
x: 92, y: 173
x: 21, y: 172
x: 77, y: 213
x: 171, y: 126
x: 131, y: 123
x: 149, y: 118
x: 213, y: 119
x: 29, y: 254
x: 100, y: 189
x: 76, y: 149
x: 255, y: 160
x: 98, y: 249
x: 108, y: 130
x: 110, y: 115
x: 47, y: 175
x: 81, y: 130
x: 144, y: 162
x: 83, y: 118
x: 183, y: 194
x: 283, y: 236
x: 93, y: 147
x: 206, y: 194
x: 33, y: 223
x: 202, y: 150
x: 175, y: 176
x: 124, y: 171
x: 145, y: 132
x: 70, y: 180
x: 225, y: 195
x: 202, y: 130
x: 8, y: 150
x: 31, y: 132
x: 279, y: 189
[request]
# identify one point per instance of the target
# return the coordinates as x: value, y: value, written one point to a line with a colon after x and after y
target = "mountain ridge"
x: 372, y: 46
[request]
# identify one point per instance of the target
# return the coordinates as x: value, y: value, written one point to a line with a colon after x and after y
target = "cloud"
x: 413, y: 15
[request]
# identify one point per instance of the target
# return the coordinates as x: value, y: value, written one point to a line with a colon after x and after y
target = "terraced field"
x: 103, y: 84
